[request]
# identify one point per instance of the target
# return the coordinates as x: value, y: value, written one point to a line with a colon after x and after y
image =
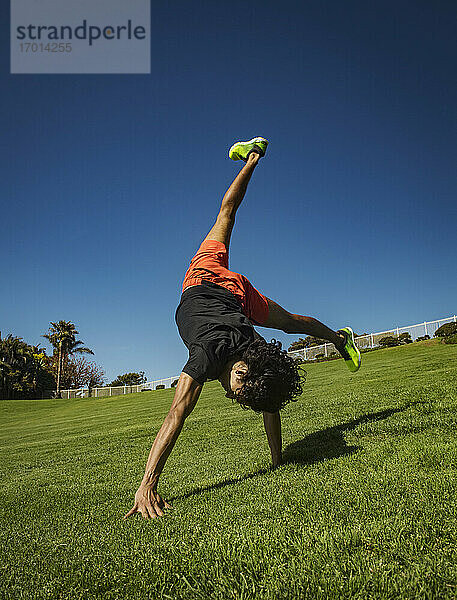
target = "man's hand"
x: 148, y: 502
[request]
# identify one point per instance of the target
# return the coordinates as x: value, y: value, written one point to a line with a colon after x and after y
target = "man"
x: 215, y: 320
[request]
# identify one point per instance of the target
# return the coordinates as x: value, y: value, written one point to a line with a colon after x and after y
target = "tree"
x: 389, y: 341
x: 422, y: 338
x: 297, y: 345
x: 308, y: 342
x: 24, y: 369
x: 446, y: 329
x: 43, y: 378
x: 405, y: 338
x: 62, y: 336
x: 129, y: 379
x: 80, y: 373
x: 13, y: 365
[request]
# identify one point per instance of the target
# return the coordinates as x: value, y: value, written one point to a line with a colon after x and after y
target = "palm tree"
x: 62, y: 336
x: 59, y: 333
x: 10, y: 360
x: 72, y: 348
x: 16, y: 366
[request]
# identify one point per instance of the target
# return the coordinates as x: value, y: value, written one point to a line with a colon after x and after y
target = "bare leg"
x: 278, y: 318
x: 222, y: 229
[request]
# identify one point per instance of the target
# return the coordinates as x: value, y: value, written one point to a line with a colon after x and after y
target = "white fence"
x: 371, y: 340
x: 103, y: 392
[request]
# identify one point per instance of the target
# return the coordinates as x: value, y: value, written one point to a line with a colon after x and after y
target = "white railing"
x: 103, y: 392
x: 371, y: 340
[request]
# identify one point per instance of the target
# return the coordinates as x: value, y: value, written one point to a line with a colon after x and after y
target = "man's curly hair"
x: 273, y: 378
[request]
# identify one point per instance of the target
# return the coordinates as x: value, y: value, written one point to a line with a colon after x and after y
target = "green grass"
x: 364, y: 508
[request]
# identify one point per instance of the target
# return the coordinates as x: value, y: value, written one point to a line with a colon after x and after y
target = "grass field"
x: 365, y: 506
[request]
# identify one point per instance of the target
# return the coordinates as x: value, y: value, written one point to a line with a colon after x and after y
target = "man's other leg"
x: 222, y: 228
x: 279, y: 318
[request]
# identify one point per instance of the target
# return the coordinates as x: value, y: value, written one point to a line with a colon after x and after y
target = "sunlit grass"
x: 365, y: 506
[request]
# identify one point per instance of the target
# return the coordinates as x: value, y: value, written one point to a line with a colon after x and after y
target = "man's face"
x: 237, y: 377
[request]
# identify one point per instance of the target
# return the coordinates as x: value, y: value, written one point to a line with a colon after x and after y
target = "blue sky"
x: 109, y: 182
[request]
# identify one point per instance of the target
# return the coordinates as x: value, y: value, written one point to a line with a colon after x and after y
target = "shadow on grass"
x: 221, y: 484
x: 315, y: 447
x: 330, y: 443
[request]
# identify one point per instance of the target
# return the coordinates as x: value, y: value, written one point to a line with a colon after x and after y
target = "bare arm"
x: 272, y: 423
x: 147, y: 500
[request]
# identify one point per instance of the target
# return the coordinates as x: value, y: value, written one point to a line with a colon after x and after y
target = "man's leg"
x: 279, y: 318
x: 222, y: 228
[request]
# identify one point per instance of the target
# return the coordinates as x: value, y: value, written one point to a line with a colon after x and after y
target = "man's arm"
x: 147, y: 500
x: 272, y: 423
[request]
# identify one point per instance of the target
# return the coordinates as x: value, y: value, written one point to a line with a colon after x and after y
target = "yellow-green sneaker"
x: 241, y: 150
x: 350, y: 352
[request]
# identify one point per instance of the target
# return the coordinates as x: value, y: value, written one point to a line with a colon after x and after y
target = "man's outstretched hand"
x: 148, y: 503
